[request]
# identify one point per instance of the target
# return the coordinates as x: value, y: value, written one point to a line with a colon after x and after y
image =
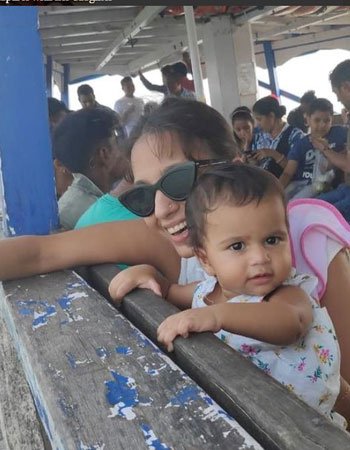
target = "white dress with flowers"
x: 310, y: 368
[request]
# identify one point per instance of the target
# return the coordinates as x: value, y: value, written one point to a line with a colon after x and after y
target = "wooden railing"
x: 99, y: 383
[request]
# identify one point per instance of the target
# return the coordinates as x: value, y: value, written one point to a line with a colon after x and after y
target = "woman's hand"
x: 141, y: 276
x: 181, y: 324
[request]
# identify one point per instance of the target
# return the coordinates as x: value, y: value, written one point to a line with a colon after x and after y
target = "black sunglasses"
x: 176, y: 184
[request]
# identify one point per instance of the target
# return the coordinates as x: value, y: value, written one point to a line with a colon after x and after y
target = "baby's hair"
x: 320, y: 104
x: 233, y: 183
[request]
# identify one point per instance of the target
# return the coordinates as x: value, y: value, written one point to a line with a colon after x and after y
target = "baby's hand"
x: 140, y: 276
x: 185, y: 322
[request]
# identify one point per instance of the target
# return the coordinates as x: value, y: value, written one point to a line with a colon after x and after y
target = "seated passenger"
x: 253, y: 300
x: 297, y: 177
x: 297, y: 117
x: 243, y: 128
x: 276, y: 139
x: 86, y: 143
x: 57, y: 112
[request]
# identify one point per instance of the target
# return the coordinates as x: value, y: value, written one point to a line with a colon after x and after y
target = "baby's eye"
x: 237, y: 246
x: 273, y: 240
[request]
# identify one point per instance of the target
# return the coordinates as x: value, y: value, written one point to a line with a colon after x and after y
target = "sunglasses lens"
x: 178, y: 184
x: 140, y: 201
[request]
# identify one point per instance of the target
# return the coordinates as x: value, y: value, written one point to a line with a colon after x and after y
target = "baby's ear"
x: 203, y: 259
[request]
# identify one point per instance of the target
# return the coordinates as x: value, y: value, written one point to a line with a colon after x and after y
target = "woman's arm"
x: 130, y: 242
x: 288, y: 173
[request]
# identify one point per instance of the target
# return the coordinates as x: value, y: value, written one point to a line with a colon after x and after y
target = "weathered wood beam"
x: 144, y: 17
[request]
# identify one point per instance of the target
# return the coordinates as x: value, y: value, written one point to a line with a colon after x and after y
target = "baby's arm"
x: 282, y: 320
x: 147, y: 277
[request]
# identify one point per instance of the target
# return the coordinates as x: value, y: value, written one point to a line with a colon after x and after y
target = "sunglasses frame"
x: 195, y: 164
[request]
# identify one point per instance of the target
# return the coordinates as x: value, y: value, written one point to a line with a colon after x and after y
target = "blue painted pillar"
x: 28, y: 190
x: 271, y: 67
x: 49, y: 76
x: 65, y: 94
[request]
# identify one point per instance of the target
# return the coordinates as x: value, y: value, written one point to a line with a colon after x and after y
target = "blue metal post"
x: 49, y: 76
x: 28, y: 189
x: 66, y: 75
x: 271, y: 67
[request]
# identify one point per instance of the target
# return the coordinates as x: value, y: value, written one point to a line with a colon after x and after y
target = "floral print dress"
x: 310, y: 368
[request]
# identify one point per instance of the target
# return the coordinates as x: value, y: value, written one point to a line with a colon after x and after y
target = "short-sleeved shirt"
x: 304, y: 152
x: 265, y: 140
x: 81, y: 194
x: 123, y: 104
x: 106, y: 209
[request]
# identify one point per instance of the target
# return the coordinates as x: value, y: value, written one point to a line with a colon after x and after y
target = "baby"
x: 253, y: 300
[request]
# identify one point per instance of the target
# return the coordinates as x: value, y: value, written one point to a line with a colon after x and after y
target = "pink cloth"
x: 312, y: 223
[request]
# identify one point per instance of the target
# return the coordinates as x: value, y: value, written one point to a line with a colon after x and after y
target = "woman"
x: 243, y: 127
x: 276, y: 138
x: 178, y: 132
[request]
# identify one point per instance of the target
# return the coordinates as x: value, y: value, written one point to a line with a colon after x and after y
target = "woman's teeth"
x: 177, y: 228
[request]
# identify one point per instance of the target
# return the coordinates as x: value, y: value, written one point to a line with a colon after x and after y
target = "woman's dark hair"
x: 267, y: 105
x: 237, y: 184
x: 340, y: 74
x: 242, y: 113
x: 320, y: 104
x: 308, y: 97
x: 195, y: 124
x: 80, y: 134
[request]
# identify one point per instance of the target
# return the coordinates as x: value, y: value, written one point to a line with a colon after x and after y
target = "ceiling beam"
x: 255, y: 14
x: 154, y: 57
x: 143, y: 18
x: 299, y: 24
x: 87, y: 17
x: 80, y: 30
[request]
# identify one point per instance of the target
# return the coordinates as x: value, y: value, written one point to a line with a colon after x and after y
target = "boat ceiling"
x: 122, y: 39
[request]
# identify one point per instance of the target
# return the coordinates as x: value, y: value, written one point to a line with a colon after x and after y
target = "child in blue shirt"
x: 297, y: 177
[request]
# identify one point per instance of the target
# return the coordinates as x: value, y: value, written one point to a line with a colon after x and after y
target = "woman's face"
x: 151, y: 157
x: 243, y: 129
x: 265, y: 122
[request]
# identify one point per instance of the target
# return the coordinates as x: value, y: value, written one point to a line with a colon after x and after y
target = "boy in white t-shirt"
x: 129, y: 108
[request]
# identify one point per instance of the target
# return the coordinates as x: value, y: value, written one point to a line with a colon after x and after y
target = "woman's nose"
x: 163, y: 206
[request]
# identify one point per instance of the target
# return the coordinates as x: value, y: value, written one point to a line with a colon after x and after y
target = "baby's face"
x: 247, y: 247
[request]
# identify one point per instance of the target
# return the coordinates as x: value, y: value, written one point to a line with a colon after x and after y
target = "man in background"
x: 129, y: 108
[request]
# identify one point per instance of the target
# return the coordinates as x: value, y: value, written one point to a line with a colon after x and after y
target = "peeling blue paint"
x: 65, y: 301
x: 42, y: 414
x: 152, y: 441
x: 122, y: 395
x: 142, y: 340
x: 40, y: 310
x: 103, y: 352
x: 72, y: 360
x: 67, y: 409
x: 124, y: 350
x: 185, y: 396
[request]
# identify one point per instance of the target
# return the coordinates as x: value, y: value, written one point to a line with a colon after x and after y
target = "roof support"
x: 146, y: 15
x: 48, y: 67
x: 271, y: 67
x: 29, y: 200
x: 194, y: 53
